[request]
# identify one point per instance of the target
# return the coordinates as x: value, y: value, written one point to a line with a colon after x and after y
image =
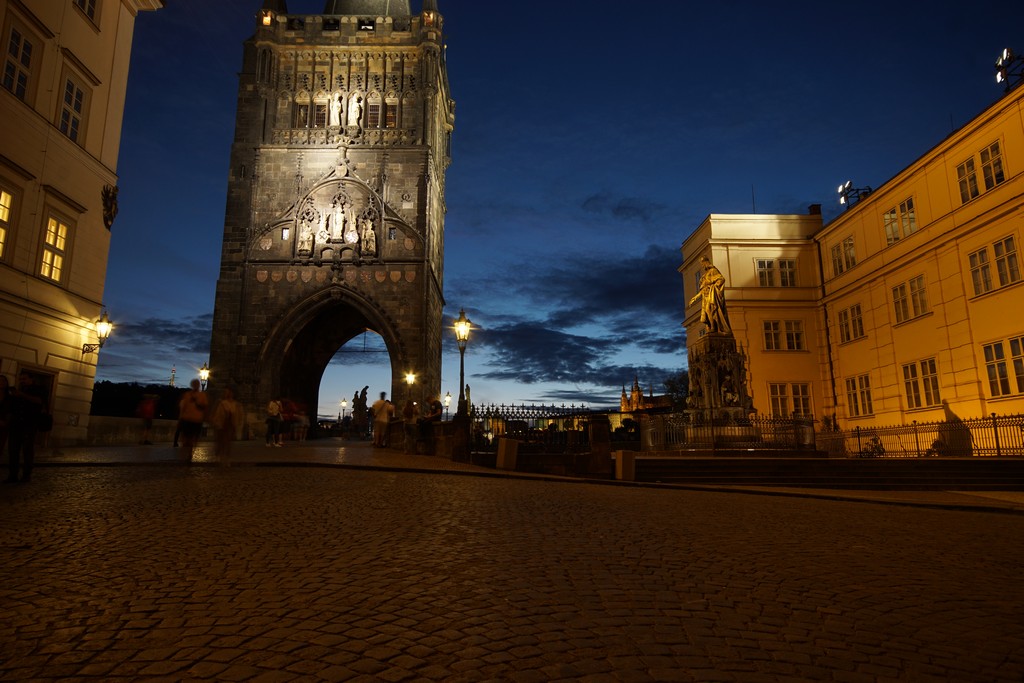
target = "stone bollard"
x: 625, y: 465
x: 508, y: 449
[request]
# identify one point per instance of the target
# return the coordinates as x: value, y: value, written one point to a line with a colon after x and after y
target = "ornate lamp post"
x: 103, y: 329
x: 410, y: 379
x: 447, y: 402
x: 344, y: 406
x: 204, y: 376
x: 462, y: 328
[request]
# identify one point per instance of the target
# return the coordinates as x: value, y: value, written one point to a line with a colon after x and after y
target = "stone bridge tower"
x: 335, y: 210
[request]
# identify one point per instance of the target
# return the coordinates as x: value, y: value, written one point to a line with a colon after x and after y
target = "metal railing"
x: 988, y: 436
x: 550, y: 429
x: 993, y: 436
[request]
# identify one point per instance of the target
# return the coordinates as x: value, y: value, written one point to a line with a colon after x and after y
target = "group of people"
x: 285, y: 418
x: 417, y: 421
x: 194, y: 410
x: 22, y: 415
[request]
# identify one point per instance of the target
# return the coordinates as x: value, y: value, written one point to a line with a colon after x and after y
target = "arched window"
x: 264, y: 62
x: 374, y: 116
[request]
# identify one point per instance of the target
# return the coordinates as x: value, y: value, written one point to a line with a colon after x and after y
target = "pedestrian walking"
x: 26, y: 408
x: 226, y: 419
x: 382, y: 414
x: 410, y: 419
x: 273, y: 421
x: 192, y: 412
x: 146, y: 411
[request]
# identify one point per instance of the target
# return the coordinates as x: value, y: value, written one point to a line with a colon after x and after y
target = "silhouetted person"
x: 26, y: 407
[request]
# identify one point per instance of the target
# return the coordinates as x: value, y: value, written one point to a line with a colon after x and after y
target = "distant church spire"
x: 380, y: 8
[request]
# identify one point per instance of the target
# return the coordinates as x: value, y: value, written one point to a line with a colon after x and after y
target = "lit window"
x: 981, y: 275
x: 1006, y: 261
x: 995, y: 367
x: 87, y: 6
x: 391, y: 115
x: 54, y: 250
x: 991, y: 172
x: 787, y: 272
x: 921, y: 383
x: 72, y: 110
x: 6, y: 203
x: 18, y: 63
x: 844, y: 256
x: 900, y: 221
x: 858, y: 396
x: 765, y: 272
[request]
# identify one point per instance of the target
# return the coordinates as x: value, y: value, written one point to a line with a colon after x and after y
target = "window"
x: 6, y: 204
x: 909, y: 299
x: 779, y: 398
x: 858, y: 396
x: 794, y: 335
x: 775, y: 340
x: 374, y: 115
x: 992, y: 166
x: 967, y: 177
x: 765, y: 272
x: 263, y: 66
x: 991, y: 172
x: 54, y: 249
x: 320, y: 115
x: 801, y: 400
x: 18, y: 62
x: 787, y: 272
x: 88, y: 7
x: 900, y: 221
x: 301, y: 118
x: 921, y: 383
x: 772, y: 335
x: 72, y: 110
x: 1017, y: 357
x: 851, y: 324
x: 981, y: 275
x: 391, y: 115
x: 1006, y: 262
x: 918, y: 296
x: 995, y: 367
x: 843, y: 256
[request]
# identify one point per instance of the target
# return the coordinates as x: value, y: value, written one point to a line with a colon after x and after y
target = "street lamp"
x: 447, y: 402
x: 204, y: 376
x: 344, y: 406
x: 103, y: 329
x: 462, y: 328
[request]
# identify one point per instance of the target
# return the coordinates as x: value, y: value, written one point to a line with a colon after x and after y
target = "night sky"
x: 591, y: 138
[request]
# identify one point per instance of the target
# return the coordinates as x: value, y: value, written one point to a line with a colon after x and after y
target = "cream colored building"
x: 65, y: 71
x: 917, y: 299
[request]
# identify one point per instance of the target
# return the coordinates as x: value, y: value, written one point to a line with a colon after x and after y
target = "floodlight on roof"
x: 849, y: 194
x: 1008, y: 67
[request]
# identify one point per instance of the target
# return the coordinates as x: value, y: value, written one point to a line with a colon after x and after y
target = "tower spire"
x: 276, y: 6
x: 380, y: 8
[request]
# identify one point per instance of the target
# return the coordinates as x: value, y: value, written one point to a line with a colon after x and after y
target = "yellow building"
x: 61, y: 102
x: 912, y: 295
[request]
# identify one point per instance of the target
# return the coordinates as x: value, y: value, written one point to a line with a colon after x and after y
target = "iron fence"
x: 996, y: 435
x: 682, y: 430
x: 989, y: 436
x: 542, y: 428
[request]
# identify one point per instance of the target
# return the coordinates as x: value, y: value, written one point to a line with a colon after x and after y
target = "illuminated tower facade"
x: 335, y: 212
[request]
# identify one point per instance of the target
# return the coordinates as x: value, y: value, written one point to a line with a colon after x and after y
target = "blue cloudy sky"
x: 592, y: 137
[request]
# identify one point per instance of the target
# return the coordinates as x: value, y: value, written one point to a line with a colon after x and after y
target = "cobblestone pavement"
x: 322, y: 573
